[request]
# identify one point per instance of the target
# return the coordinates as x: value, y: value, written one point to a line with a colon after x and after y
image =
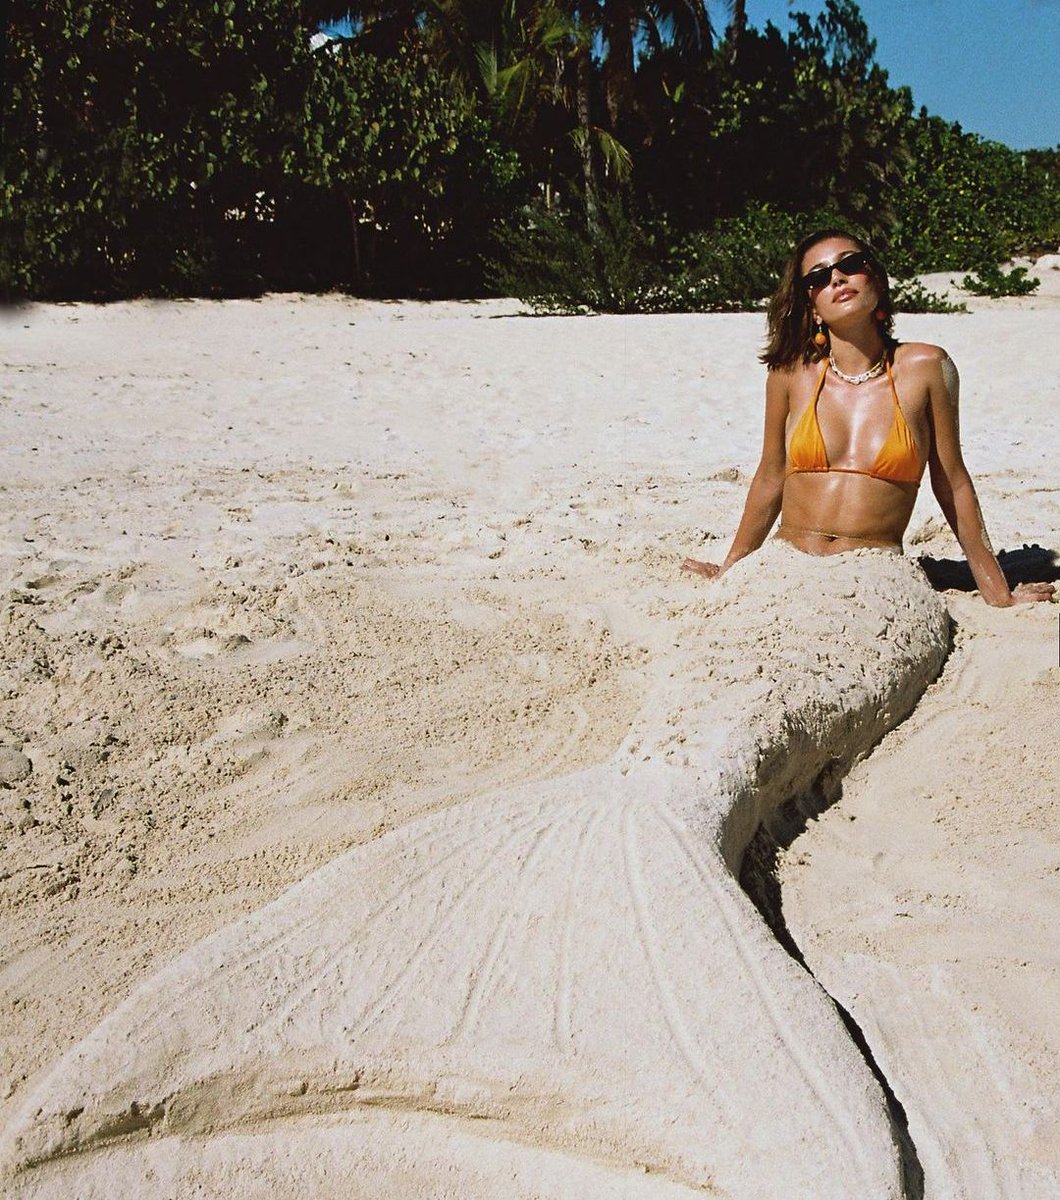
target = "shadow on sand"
x: 1031, y: 564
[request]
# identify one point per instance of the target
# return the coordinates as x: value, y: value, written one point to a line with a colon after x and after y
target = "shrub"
x: 735, y: 265
x: 139, y: 142
x: 622, y: 263
x: 410, y: 167
x: 562, y: 262
x: 910, y: 296
x: 965, y: 202
x: 154, y: 149
x: 991, y: 280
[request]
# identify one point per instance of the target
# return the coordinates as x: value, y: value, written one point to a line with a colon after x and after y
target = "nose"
x: 839, y: 280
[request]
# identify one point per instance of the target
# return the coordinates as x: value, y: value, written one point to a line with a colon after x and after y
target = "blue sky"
x: 992, y: 65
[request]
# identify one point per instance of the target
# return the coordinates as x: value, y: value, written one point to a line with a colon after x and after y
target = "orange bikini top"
x: 898, y: 459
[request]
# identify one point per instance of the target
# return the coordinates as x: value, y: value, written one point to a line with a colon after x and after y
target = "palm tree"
x: 735, y: 32
x: 530, y: 60
x: 683, y: 24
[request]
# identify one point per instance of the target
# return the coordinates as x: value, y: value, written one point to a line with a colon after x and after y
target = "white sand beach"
x: 375, y: 785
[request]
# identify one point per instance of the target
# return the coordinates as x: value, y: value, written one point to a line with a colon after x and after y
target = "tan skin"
x: 832, y: 512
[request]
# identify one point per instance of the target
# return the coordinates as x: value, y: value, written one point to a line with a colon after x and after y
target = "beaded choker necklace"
x: 871, y: 373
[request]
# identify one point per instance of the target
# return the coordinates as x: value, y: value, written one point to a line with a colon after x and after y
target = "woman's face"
x: 850, y: 290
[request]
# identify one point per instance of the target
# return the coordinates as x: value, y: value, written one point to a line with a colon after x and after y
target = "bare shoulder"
x: 928, y: 364
x: 794, y: 377
x: 920, y: 355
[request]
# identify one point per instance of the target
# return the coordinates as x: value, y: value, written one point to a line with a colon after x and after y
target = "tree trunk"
x: 585, y: 126
x: 618, y: 67
x: 734, y: 34
x: 357, y: 279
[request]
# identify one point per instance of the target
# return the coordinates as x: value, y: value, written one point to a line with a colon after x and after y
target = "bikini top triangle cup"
x: 898, y: 459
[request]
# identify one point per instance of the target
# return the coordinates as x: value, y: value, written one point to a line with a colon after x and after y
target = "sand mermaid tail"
x: 538, y: 992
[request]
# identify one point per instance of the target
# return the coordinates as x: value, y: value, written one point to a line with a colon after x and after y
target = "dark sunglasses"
x: 854, y: 263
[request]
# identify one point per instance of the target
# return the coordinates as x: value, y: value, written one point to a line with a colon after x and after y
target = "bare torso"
x: 839, y: 510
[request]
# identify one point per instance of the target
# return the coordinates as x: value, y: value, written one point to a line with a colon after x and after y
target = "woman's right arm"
x: 762, y: 505
x: 956, y: 494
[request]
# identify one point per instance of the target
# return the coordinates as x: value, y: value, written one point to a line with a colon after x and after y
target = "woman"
x: 842, y: 457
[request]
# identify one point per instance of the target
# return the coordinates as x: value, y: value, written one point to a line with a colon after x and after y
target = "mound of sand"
x: 568, y: 965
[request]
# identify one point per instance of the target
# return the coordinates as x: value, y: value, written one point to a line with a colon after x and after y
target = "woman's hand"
x: 1025, y: 593
x: 693, y: 565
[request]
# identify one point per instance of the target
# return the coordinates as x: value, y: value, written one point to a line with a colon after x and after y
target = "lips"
x: 844, y: 294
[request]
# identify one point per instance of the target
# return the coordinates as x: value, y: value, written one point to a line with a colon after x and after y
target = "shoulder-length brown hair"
x: 790, y: 315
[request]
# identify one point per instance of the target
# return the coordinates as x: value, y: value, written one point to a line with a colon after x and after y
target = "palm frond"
x: 486, y: 61
x: 685, y: 24
x: 616, y: 158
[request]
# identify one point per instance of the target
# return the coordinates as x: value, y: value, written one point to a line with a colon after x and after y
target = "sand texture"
x: 375, y: 788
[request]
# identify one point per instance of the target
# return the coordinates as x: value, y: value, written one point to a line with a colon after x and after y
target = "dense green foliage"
x: 153, y: 149
x: 965, y: 202
x: 144, y: 142
x: 801, y: 123
x: 614, y: 156
x: 401, y: 173
x: 562, y: 264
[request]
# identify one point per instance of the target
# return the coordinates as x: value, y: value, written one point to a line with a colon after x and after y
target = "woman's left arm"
x: 955, y: 492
